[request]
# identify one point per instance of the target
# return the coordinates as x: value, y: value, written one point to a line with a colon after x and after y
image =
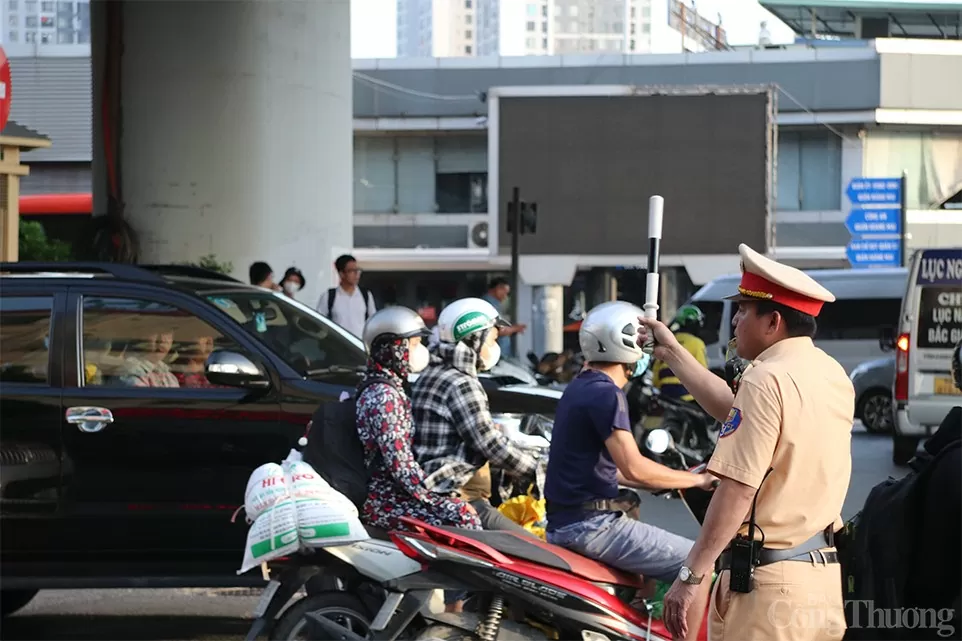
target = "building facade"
x: 422, y: 160
x: 52, y: 26
x: 456, y: 28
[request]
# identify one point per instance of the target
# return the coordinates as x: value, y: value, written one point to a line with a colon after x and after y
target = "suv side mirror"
x: 886, y: 338
x: 224, y: 367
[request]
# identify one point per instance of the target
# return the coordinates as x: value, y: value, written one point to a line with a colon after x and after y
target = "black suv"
x: 135, y: 401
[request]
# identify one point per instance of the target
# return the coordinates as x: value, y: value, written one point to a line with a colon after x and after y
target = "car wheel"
x: 13, y: 600
x: 876, y: 412
x: 904, y: 448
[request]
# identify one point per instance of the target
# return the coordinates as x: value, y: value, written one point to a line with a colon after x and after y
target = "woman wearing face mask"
x: 397, y: 487
x: 292, y: 282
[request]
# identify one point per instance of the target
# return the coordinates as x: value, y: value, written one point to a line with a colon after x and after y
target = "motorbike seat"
x: 534, y: 550
x: 377, y: 533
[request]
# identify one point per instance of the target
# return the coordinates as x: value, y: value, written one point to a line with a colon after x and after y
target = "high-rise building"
x: 436, y: 28
x: 45, y: 25
x: 552, y: 27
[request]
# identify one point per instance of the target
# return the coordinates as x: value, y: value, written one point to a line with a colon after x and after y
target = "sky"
x: 373, y: 32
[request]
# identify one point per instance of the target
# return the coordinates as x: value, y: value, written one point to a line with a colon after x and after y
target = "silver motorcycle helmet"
x: 609, y: 334
x: 392, y: 323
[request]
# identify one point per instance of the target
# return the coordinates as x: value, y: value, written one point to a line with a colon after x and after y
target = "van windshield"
x: 940, y: 317
x: 713, y: 319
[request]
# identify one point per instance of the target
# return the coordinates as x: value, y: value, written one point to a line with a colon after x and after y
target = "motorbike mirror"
x: 658, y: 441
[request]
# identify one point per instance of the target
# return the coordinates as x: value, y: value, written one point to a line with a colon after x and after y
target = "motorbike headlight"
x: 513, y: 425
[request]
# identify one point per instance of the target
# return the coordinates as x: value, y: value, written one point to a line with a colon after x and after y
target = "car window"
x: 713, y: 318
x: 133, y: 342
x: 303, y: 338
x: 856, y: 319
x: 25, y: 338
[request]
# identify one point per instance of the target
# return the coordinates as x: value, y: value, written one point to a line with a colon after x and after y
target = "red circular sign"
x: 5, y: 88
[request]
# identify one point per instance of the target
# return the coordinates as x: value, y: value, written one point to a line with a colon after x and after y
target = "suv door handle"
x: 89, y: 419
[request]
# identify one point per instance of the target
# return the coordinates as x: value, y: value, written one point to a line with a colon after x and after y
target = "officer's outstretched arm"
x: 711, y: 391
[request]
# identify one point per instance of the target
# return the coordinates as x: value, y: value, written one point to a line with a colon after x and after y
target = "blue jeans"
x: 626, y: 544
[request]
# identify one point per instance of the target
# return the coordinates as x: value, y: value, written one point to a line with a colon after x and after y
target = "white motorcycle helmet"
x: 609, y: 334
x: 467, y: 316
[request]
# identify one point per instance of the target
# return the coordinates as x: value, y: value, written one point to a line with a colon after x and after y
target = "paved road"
x: 210, y: 615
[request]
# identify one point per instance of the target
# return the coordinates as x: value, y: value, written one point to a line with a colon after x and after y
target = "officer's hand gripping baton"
x: 656, y: 207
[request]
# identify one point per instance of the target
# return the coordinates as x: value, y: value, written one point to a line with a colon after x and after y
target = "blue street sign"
x: 868, y: 252
x: 875, y: 191
x: 873, y: 222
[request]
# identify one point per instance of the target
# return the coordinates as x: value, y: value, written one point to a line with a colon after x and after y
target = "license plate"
x: 266, y: 599
x: 944, y: 385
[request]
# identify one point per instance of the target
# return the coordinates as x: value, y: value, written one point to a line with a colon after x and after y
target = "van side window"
x: 857, y: 319
x: 713, y: 318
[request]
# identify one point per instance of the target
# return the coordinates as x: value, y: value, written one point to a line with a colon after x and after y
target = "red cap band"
x: 755, y: 286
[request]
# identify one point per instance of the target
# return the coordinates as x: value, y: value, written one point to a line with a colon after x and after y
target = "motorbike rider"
x: 687, y: 326
x: 396, y: 486
x: 593, y: 452
x: 456, y: 437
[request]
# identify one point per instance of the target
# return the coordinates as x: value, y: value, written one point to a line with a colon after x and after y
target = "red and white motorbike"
x: 523, y: 588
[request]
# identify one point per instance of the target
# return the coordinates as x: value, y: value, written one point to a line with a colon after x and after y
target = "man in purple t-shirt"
x: 593, y: 452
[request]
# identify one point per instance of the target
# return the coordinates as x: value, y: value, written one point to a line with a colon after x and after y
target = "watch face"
x: 684, y: 574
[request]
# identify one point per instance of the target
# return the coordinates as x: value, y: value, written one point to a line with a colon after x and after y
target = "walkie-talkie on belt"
x: 745, y: 552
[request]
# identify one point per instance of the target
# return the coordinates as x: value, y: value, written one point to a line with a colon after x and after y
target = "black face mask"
x: 735, y: 366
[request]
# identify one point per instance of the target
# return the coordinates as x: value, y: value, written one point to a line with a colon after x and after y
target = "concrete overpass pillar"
x: 237, y: 135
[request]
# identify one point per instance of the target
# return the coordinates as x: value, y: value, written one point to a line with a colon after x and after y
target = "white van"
x: 930, y: 326
x: 848, y: 329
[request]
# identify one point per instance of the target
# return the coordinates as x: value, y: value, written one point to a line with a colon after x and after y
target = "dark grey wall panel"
x: 592, y: 163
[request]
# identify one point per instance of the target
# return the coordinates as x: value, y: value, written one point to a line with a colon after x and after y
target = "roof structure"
x: 16, y: 134
x: 864, y: 19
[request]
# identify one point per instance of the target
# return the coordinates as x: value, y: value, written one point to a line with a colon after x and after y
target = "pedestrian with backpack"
x: 396, y: 484
x: 902, y: 549
x: 349, y: 305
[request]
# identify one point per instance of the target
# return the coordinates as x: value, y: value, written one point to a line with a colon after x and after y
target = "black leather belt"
x: 810, y: 552
x: 598, y: 505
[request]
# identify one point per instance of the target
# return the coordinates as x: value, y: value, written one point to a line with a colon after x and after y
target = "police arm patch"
x: 731, y: 423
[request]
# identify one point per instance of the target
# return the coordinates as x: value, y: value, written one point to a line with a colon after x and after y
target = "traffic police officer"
x: 789, y: 425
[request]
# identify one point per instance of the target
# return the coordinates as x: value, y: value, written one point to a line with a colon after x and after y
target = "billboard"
x: 592, y: 156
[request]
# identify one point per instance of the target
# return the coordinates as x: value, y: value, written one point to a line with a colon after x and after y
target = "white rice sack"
x: 266, y: 486
x: 272, y: 535
x: 324, y: 515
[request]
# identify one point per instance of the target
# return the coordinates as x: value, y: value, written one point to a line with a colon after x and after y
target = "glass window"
x: 532, y: 10
x: 853, y: 319
x: 468, y: 19
x: 25, y: 338
x: 130, y: 342
x: 303, y: 338
x: 809, y: 171
x: 713, y: 319
x: 940, y: 317
x: 462, y: 193
x: 11, y: 5
x: 530, y: 25
x: 467, y: 50
x: 46, y: 6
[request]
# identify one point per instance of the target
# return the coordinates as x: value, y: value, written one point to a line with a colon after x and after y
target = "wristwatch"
x: 689, y: 577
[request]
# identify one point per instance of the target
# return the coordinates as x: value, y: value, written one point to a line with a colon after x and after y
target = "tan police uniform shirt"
x: 793, y: 413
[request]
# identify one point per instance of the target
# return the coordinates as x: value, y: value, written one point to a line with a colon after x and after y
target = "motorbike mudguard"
x: 276, y: 595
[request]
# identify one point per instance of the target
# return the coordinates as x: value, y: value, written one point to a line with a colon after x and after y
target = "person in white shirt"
x: 348, y: 304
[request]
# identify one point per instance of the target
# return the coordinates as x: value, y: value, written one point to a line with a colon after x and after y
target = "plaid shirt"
x: 454, y: 434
